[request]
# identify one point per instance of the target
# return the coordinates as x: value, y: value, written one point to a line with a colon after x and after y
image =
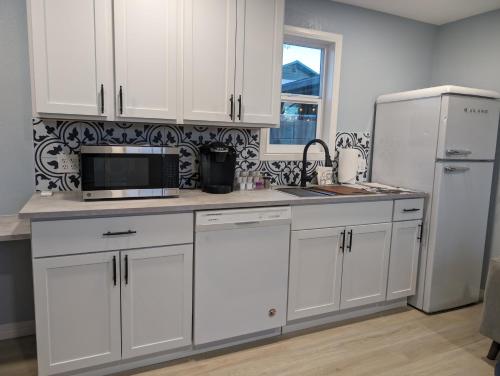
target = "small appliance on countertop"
x: 129, y: 171
x: 348, y: 166
x: 217, y: 167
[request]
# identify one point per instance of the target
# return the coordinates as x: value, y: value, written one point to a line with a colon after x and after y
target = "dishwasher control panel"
x: 243, y: 216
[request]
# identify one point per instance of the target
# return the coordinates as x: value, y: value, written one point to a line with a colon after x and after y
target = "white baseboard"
x: 353, y: 313
x: 17, y: 329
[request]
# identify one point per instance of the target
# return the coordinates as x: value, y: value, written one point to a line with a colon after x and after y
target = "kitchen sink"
x: 331, y: 190
x: 305, y: 192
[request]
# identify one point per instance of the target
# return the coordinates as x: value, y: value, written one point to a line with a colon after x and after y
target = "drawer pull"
x: 450, y: 170
x: 129, y: 232
x: 272, y: 312
x: 411, y: 210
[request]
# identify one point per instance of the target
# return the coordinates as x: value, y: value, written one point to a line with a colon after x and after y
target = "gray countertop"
x: 14, y: 228
x: 70, y: 204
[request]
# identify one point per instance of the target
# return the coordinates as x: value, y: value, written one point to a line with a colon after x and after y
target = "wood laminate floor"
x: 398, y: 344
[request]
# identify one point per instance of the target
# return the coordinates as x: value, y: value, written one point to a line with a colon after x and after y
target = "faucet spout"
x: 328, y: 160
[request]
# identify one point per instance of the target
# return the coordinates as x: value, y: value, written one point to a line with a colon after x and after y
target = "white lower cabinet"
x: 77, y: 302
x: 315, y: 272
x: 403, y: 265
x: 365, y: 267
x: 156, y: 299
x: 80, y: 322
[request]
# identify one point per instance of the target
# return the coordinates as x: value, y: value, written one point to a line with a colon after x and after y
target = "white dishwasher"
x: 241, y: 272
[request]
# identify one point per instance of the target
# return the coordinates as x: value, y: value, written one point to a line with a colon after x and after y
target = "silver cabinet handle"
x: 449, y: 169
x: 458, y: 152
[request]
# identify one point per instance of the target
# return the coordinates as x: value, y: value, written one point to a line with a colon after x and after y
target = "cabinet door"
x: 403, y: 264
x: 72, y: 56
x: 259, y: 58
x: 315, y: 272
x: 366, y: 262
x: 145, y: 58
x: 77, y: 302
x: 156, y: 299
x: 209, y: 59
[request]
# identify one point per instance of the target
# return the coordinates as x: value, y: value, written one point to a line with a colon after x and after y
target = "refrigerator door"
x: 468, y: 128
x: 459, y: 217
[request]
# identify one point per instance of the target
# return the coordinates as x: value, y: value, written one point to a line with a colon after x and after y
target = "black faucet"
x: 328, y: 160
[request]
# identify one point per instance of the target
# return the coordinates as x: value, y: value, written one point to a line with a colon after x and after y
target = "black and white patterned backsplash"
x: 56, y: 137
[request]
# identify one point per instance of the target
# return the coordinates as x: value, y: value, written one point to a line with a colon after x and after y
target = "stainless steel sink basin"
x: 305, y: 192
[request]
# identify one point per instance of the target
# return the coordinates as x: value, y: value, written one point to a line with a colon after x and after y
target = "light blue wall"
x: 467, y: 53
x: 16, y: 145
x: 16, y: 159
x: 381, y: 54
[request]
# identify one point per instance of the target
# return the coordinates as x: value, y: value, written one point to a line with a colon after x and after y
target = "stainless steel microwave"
x: 117, y: 172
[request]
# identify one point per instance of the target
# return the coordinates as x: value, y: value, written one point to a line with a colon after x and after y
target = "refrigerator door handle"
x: 450, y: 170
x: 458, y: 152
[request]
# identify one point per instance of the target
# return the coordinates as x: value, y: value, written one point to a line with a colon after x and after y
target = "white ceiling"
x: 437, y: 12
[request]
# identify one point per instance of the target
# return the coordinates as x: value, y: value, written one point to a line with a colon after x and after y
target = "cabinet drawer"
x: 60, y: 237
x: 405, y: 210
x: 345, y: 214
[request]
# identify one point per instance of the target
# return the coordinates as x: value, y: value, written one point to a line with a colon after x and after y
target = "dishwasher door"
x: 241, y: 272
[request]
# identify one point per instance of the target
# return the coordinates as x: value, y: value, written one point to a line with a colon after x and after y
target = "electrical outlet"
x: 68, y: 163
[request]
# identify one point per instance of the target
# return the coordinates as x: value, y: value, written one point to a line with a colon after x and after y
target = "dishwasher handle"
x: 241, y: 225
x: 248, y: 223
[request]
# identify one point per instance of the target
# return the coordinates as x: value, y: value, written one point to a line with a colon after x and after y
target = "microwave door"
x: 122, y: 175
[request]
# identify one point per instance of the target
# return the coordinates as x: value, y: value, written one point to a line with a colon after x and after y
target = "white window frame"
x: 328, y: 102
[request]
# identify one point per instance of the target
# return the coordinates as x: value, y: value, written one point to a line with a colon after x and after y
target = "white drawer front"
x: 345, y: 214
x: 406, y: 210
x: 61, y: 237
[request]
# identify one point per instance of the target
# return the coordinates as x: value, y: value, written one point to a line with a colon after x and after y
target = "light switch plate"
x: 68, y: 163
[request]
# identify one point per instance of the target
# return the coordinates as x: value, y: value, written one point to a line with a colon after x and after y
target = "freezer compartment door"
x: 459, y: 218
x: 468, y: 128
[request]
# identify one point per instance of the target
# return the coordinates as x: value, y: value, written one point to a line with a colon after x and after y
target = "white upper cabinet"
x: 215, y: 61
x: 259, y: 51
x: 209, y: 59
x: 232, y: 60
x: 146, y: 58
x: 72, y: 57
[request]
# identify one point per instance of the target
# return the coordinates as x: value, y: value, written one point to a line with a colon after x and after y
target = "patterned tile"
x: 53, y: 137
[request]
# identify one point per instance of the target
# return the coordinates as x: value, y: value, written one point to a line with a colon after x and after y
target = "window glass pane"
x: 301, y: 70
x: 297, y: 125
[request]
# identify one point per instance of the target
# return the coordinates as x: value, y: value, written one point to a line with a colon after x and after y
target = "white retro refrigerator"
x: 442, y: 141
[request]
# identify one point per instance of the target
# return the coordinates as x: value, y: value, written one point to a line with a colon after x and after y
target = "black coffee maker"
x: 217, y: 167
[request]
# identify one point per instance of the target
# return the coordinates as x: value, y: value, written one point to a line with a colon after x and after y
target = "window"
x: 309, y: 95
